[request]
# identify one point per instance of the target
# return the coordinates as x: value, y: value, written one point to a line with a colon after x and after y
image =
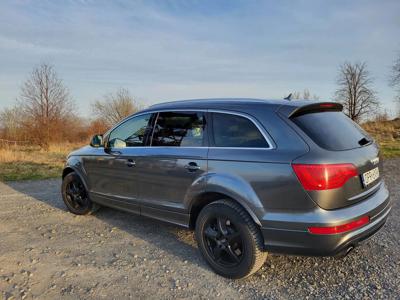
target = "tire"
x: 75, y: 195
x: 234, y: 250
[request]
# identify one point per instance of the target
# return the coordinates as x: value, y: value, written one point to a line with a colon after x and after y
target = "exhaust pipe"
x: 348, y: 250
x: 344, y: 252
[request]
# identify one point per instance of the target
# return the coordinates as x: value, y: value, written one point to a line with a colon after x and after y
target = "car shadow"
x: 175, y: 240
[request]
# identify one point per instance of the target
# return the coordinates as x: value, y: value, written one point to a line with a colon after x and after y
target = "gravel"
x: 46, y: 252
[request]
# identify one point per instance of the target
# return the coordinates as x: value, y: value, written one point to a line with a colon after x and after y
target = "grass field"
x: 27, y: 162
x: 23, y: 163
x: 390, y: 149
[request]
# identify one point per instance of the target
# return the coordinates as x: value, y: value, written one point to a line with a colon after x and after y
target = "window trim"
x: 264, y: 133
x: 152, y: 131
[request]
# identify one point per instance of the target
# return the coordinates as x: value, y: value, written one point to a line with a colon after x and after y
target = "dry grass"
x: 384, y: 130
x: 29, y: 162
x: 387, y: 134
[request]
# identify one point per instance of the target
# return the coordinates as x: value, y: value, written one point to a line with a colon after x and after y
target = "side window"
x: 131, y: 133
x: 179, y: 129
x: 236, y: 131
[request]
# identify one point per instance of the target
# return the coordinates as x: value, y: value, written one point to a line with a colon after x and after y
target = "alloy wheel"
x: 76, y: 195
x: 224, y: 242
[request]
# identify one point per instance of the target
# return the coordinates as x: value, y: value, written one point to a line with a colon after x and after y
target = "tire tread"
x: 259, y: 254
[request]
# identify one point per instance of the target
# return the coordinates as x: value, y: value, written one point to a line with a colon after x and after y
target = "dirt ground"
x: 48, y: 253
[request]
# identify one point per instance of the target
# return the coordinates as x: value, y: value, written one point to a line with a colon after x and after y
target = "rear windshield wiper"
x: 364, y: 141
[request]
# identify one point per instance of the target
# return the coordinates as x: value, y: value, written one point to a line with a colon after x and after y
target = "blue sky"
x: 166, y: 50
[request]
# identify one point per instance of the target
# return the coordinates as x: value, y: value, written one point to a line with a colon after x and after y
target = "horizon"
x: 172, y: 50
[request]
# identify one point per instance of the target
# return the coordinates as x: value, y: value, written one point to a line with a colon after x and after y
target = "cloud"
x: 10, y: 44
x: 166, y: 49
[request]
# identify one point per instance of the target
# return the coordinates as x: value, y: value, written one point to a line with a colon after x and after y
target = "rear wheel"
x: 229, y: 240
x: 75, y: 195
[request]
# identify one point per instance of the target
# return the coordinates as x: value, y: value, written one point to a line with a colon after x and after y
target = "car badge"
x: 375, y: 161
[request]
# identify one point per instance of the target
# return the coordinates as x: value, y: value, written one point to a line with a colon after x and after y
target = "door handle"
x: 192, y: 167
x: 114, y: 153
x: 130, y: 163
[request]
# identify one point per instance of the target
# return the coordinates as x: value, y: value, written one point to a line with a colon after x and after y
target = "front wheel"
x: 75, y: 196
x: 229, y: 240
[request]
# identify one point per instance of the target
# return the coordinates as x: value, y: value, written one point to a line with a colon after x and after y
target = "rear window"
x: 332, y: 130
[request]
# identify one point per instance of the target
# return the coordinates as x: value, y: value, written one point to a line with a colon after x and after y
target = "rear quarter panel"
x: 261, y: 179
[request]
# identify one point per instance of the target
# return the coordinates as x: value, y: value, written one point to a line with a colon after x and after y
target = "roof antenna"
x: 288, y: 98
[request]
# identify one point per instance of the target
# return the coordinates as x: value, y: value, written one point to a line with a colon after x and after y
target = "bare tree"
x: 10, y: 123
x: 296, y: 96
x: 306, y: 95
x: 355, y: 91
x: 395, y: 76
x: 381, y: 116
x: 395, y: 80
x: 115, y: 106
x: 45, y: 103
x: 96, y: 126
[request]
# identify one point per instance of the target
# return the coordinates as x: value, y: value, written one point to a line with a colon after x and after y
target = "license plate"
x: 370, y: 176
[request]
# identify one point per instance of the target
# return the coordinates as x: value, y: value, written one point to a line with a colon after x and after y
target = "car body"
x: 161, y: 175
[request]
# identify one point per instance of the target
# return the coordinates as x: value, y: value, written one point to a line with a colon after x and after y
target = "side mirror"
x: 97, y: 141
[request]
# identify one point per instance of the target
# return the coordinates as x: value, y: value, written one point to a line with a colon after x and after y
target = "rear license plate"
x: 370, y: 176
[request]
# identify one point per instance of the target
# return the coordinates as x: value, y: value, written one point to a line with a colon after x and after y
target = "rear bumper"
x: 286, y: 232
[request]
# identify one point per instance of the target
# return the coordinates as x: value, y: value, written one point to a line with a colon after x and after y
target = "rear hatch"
x: 343, y: 166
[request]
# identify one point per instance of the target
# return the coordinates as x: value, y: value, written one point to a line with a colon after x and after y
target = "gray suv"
x: 250, y: 176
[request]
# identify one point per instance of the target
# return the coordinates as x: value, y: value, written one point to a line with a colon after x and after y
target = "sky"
x: 169, y: 50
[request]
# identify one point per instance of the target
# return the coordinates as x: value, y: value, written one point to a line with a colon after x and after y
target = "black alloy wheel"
x: 75, y: 195
x: 224, y: 242
x: 229, y: 240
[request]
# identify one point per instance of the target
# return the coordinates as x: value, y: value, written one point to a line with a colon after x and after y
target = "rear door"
x: 177, y: 158
x: 336, y: 139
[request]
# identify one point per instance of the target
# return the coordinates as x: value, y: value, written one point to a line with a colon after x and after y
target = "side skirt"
x: 173, y: 217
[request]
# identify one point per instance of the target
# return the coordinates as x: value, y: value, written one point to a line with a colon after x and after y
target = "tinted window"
x: 332, y: 130
x: 179, y: 129
x: 236, y: 131
x: 131, y: 133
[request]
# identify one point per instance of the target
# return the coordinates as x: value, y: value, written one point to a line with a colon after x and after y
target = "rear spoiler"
x: 316, y: 107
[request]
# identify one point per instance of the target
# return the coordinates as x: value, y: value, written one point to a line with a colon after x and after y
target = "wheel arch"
x: 66, y: 171
x: 208, y: 197
x: 69, y: 169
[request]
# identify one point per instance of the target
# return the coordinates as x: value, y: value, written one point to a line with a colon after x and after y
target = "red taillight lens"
x: 341, y: 228
x: 324, y: 177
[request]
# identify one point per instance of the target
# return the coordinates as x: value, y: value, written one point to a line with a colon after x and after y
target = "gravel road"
x: 48, y: 253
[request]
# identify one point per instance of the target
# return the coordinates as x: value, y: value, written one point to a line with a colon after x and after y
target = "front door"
x: 114, y: 175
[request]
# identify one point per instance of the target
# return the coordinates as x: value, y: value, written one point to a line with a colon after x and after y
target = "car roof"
x: 227, y: 103
x: 234, y: 104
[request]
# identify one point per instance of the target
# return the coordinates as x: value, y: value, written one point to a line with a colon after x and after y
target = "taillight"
x: 341, y: 228
x: 325, y: 176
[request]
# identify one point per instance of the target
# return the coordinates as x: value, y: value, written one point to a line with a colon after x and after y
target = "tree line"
x: 45, y: 113
x: 356, y: 93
